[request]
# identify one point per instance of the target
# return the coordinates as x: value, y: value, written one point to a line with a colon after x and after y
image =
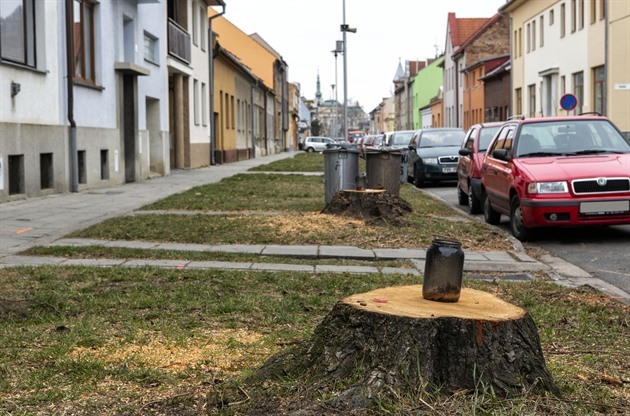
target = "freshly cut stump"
x: 393, y: 340
x: 369, y: 205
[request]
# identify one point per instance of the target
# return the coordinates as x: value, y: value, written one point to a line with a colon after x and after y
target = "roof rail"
x: 516, y: 117
x: 590, y: 113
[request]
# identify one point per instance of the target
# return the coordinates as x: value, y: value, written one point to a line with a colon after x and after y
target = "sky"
x: 304, y: 33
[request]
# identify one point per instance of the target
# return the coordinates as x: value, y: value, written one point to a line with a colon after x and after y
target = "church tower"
x: 318, y: 94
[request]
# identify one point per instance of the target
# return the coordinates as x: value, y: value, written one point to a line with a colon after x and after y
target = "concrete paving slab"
x: 345, y: 269
x: 237, y: 248
x: 156, y: 263
x: 308, y: 251
x: 498, y: 256
x: 474, y: 256
x: 278, y: 267
x: 143, y: 245
x: 604, y: 287
x: 93, y: 262
x: 31, y: 260
x: 78, y: 242
x: 218, y: 265
x: 399, y: 253
x: 183, y: 247
x: 563, y: 267
x: 513, y: 267
x: 524, y: 257
x: 348, y: 252
x: 400, y: 270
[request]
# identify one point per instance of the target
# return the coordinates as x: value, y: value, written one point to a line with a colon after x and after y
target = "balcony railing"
x: 178, y: 41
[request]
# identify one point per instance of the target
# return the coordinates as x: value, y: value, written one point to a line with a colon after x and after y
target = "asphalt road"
x: 603, y: 252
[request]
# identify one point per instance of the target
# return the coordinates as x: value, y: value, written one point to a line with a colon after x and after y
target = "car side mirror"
x: 501, y: 154
x: 411, y: 147
x: 465, y: 152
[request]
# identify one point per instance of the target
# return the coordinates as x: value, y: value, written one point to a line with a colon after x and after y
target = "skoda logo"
x: 601, y: 181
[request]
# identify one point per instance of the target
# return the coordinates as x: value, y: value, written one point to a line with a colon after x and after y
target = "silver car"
x: 317, y: 143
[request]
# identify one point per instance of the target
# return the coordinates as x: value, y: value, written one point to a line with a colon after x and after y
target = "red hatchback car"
x: 472, y: 152
x: 557, y: 172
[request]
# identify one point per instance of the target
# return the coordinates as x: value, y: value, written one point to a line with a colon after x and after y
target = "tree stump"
x: 368, y: 204
x: 393, y: 340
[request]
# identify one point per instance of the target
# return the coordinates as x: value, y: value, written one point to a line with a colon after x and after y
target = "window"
x: 520, y: 42
x: 203, y: 20
x: 151, y: 48
x: 542, y: 31
x: 196, y: 101
x: 581, y: 20
x: 514, y: 44
x: 551, y: 17
x: 232, y: 109
x: 529, y: 38
x: 578, y: 90
x: 204, y: 104
x: 593, y: 11
x: 602, y: 9
x: 83, y: 18
x: 563, y: 20
x: 533, y: 35
x: 195, y: 25
x: 532, y: 100
x: 599, y: 89
x: 17, y: 31
x: 573, y: 16
x: 519, y: 101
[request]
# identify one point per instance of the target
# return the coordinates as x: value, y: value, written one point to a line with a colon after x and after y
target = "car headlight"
x: 430, y: 161
x: 548, y: 187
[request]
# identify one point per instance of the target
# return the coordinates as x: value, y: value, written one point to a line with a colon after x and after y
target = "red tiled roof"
x: 463, y: 28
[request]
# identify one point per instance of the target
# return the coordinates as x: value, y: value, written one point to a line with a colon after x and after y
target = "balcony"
x: 178, y: 42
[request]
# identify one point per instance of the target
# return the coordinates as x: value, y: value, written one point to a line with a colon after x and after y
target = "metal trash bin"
x: 383, y: 170
x: 341, y: 166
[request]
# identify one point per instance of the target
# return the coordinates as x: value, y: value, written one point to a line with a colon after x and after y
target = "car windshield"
x: 441, y: 138
x: 569, y: 138
x: 402, y: 138
x: 487, y: 133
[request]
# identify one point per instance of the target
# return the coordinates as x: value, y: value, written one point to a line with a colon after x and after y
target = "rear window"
x: 442, y: 138
x: 487, y: 133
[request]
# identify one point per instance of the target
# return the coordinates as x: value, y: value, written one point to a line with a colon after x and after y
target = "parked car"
x: 372, y: 141
x: 432, y: 155
x: 471, y: 156
x: 557, y: 172
x: 399, y: 139
x: 355, y: 135
x: 317, y: 143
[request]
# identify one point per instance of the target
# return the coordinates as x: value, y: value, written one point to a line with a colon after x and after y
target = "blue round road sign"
x: 568, y: 102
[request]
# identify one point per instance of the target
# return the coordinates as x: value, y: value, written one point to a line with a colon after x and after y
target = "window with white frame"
x: 196, y: 101
x: 151, y: 48
x: 204, y: 104
x: 17, y: 32
x: 195, y: 28
x: 83, y: 18
x: 203, y: 22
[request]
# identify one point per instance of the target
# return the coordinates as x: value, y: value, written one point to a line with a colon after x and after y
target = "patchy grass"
x: 301, y: 162
x: 116, y: 341
x: 300, y: 199
x: 250, y: 192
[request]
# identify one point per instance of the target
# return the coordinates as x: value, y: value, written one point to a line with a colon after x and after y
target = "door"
x: 129, y: 127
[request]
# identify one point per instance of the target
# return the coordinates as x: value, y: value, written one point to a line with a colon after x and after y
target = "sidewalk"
x: 46, y: 220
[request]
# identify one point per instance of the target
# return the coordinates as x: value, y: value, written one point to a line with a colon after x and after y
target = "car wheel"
x: 517, y: 226
x: 310, y: 150
x: 489, y: 214
x: 462, y: 198
x: 418, y: 180
x: 474, y: 204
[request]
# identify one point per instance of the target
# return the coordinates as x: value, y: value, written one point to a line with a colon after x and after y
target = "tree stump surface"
x: 393, y: 341
x: 371, y: 205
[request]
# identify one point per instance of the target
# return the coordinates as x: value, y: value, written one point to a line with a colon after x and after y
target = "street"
x: 603, y: 252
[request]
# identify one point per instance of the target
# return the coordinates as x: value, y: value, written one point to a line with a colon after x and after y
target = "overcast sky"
x: 304, y: 33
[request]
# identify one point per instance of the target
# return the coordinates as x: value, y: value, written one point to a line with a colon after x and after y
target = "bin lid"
x: 383, y: 150
x: 338, y: 149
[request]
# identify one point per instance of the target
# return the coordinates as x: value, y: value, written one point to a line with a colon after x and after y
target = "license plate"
x: 604, y: 207
x: 449, y: 170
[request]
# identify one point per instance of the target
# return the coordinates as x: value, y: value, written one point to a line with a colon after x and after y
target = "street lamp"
x: 333, y: 130
x: 345, y: 28
x: 338, y: 49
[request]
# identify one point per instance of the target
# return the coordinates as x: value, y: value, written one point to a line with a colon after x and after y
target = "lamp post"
x: 333, y: 130
x: 345, y: 28
x: 338, y: 49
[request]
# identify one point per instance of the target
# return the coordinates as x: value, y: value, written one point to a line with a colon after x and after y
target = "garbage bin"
x: 383, y: 170
x: 341, y: 166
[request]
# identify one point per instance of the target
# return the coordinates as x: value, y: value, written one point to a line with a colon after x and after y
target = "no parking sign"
x: 568, y: 102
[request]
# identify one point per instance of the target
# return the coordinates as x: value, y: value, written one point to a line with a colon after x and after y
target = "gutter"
x: 213, y: 127
x: 74, y: 158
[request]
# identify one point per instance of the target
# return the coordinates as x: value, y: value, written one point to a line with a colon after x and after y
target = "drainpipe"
x: 213, y: 127
x: 74, y: 160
